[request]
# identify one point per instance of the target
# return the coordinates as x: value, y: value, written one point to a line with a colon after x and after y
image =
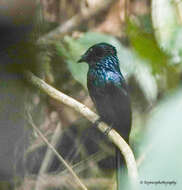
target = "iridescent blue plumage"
x: 108, y: 88
x: 105, y: 70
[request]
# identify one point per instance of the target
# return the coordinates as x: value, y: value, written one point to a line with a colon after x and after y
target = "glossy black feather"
x: 108, y: 88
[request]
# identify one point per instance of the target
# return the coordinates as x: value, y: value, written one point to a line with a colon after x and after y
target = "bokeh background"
x: 48, y: 37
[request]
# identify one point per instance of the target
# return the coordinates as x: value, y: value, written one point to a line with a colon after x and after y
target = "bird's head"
x: 97, y: 53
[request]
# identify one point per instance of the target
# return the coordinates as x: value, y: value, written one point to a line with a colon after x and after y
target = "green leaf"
x: 147, y: 48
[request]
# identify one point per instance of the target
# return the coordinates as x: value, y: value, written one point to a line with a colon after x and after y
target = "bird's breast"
x: 97, y: 78
x: 100, y: 77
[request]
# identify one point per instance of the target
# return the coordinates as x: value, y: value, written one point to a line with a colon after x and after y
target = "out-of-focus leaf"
x: 146, y: 80
x: 167, y: 26
x: 162, y: 144
x: 146, y: 47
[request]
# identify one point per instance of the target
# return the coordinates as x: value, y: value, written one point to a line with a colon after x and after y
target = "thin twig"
x: 56, y: 153
x: 48, y: 156
x: 91, y: 116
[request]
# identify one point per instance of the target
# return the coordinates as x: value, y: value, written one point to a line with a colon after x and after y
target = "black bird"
x: 108, y: 90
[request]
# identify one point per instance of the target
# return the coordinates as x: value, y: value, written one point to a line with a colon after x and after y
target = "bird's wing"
x: 113, y: 105
x: 118, y: 108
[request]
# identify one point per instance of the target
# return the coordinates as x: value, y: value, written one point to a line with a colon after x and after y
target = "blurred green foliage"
x: 146, y: 46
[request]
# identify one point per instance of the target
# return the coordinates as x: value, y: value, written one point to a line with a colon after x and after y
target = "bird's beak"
x: 82, y: 59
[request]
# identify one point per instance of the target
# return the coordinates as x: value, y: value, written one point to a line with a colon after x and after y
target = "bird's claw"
x: 108, y: 128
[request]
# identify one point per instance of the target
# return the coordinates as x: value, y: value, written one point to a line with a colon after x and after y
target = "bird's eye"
x: 113, y: 51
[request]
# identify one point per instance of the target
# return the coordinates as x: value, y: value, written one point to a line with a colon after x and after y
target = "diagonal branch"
x: 91, y: 116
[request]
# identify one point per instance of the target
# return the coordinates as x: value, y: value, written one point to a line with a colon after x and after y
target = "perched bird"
x: 108, y: 90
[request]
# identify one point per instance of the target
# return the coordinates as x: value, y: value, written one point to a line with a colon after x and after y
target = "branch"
x: 91, y: 116
x: 75, y: 21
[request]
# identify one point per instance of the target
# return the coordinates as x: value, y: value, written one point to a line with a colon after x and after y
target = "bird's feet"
x: 106, y: 131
